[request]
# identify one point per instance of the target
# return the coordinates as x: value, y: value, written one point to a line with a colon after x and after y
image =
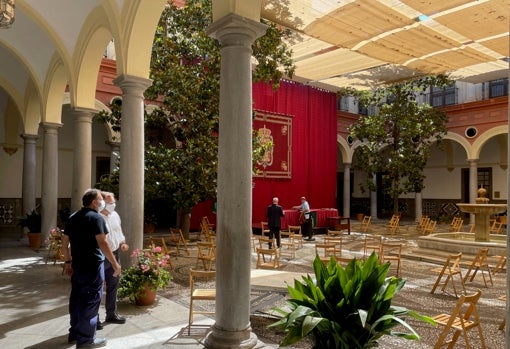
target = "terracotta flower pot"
x: 34, y: 240
x: 147, y: 298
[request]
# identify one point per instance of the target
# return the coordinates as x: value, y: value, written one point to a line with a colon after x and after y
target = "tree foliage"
x: 182, y: 133
x: 397, y: 139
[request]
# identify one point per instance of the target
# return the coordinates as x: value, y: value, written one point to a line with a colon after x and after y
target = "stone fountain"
x: 482, y: 211
x: 469, y: 243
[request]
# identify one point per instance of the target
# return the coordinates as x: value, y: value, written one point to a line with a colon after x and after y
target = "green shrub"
x: 345, y: 307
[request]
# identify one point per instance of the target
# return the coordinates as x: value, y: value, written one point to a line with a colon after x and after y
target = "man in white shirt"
x: 117, y: 241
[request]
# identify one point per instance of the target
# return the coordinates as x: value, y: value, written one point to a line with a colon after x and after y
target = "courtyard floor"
x: 33, y: 306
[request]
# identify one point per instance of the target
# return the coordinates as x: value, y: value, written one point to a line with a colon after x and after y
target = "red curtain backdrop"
x: 313, y: 150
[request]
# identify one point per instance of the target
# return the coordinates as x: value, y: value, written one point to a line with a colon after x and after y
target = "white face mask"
x: 110, y: 207
x: 101, y: 206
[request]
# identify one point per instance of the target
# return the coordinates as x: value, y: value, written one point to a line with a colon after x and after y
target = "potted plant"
x: 345, y: 308
x: 148, y: 273
x: 359, y: 210
x: 32, y: 221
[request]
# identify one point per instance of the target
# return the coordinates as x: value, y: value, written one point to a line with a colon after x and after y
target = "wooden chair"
x: 503, y: 220
x: 254, y: 240
x: 206, y: 232
x: 496, y: 227
x: 479, y: 263
x: 372, y: 243
x: 264, y: 229
x: 178, y: 240
x: 463, y: 319
x: 430, y: 228
x: 422, y: 224
x: 391, y: 252
x: 295, y: 230
x: 267, y: 257
x: 364, y: 226
x: 202, y: 288
x: 500, y: 265
x: 206, y: 221
x: 287, y: 244
x: 325, y: 250
x: 456, y: 224
x: 450, y: 269
x: 392, y: 227
x: 206, y: 254
x: 334, y: 232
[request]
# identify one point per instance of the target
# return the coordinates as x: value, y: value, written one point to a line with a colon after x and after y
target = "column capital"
x: 234, y: 30
x: 29, y: 137
x: 49, y: 126
x: 131, y: 84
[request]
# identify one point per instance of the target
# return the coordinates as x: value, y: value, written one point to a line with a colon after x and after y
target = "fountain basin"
x: 462, y: 242
x: 482, y: 214
x: 489, y: 209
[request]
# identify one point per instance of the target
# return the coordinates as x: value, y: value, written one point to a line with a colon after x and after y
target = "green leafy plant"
x: 345, y: 307
x: 149, y: 270
x: 32, y: 221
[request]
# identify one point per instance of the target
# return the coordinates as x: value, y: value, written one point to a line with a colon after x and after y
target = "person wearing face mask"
x: 84, y: 247
x: 117, y: 242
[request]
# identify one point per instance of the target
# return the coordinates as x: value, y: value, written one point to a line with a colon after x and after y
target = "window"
x: 485, y: 180
x: 443, y: 96
x: 498, y: 88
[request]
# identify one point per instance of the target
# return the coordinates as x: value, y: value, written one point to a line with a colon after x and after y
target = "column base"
x: 220, y: 339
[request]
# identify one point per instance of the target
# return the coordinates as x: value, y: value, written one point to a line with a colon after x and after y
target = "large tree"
x: 181, y: 134
x: 397, y: 138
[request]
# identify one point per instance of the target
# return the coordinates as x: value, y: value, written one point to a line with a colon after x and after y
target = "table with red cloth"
x: 322, y: 215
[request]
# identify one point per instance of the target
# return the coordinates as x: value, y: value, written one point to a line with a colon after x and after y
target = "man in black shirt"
x: 84, y: 240
x: 274, y: 215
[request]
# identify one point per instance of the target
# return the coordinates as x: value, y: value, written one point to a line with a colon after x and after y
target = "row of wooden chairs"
x: 386, y: 251
x: 425, y: 225
x: 452, y: 269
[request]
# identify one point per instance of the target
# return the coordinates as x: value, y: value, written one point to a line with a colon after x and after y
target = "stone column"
x: 373, y: 200
x: 232, y: 328
x: 114, y: 155
x: 82, y: 157
x: 473, y: 185
x: 29, y: 166
x: 347, y: 191
x: 131, y: 181
x: 49, y: 193
x: 418, y: 208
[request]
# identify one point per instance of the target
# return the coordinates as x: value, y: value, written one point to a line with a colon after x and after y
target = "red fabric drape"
x: 314, y: 150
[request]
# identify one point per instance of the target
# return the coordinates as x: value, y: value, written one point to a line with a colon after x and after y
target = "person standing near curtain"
x: 305, y: 219
x: 84, y: 240
x: 117, y: 242
x: 274, y: 215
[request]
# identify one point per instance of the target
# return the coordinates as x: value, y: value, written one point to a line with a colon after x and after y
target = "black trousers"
x: 274, y: 232
x: 306, y: 229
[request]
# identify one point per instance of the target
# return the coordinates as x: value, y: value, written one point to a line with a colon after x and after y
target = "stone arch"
x: 54, y: 87
x: 463, y: 142
x: 94, y: 37
x: 134, y: 36
x: 344, y: 148
x: 484, y: 137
